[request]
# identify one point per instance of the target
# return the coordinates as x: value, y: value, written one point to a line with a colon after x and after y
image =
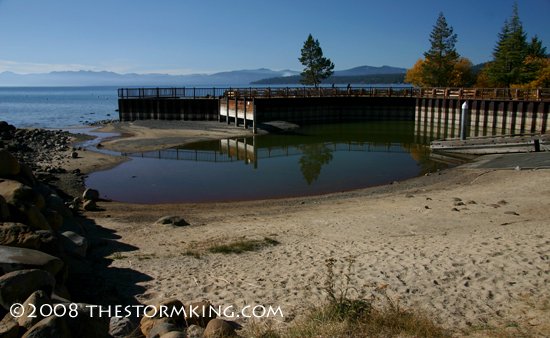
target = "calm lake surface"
x: 312, y: 160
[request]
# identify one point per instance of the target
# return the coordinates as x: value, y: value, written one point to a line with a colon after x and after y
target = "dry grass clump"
x: 349, y: 312
x: 237, y: 246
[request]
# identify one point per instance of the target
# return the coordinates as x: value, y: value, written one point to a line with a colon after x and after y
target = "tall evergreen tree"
x: 442, y: 56
x: 317, y: 66
x: 507, y: 66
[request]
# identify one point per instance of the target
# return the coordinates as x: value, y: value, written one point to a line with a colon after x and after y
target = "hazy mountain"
x: 104, y: 78
x: 369, y: 70
x: 90, y: 78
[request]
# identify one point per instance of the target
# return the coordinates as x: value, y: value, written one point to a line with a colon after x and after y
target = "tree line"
x: 398, y: 78
x: 515, y: 62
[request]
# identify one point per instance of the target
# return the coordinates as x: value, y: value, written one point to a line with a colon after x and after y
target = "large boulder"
x: 54, y: 219
x: 161, y: 329
x: 155, y: 316
x: 72, y: 242
x: 90, y: 194
x: 31, y: 309
x: 28, y: 214
x: 19, y: 235
x: 200, y: 314
x: 88, y: 323
x: 4, y: 209
x: 56, y: 204
x: 8, y: 164
x: 15, y: 259
x: 218, y: 328
x: 13, y: 190
x: 17, y: 286
x: 52, y: 327
x: 120, y: 327
x: 9, y: 327
x: 24, y: 176
x: 71, y: 224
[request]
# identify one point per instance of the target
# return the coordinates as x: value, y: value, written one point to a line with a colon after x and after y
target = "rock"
x: 29, y: 215
x: 174, y: 334
x: 88, y: 323
x: 204, y: 311
x: 89, y: 205
x: 120, y: 327
x: 13, y: 190
x: 56, y: 204
x: 161, y: 329
x: 518, y: 168
x: 9, y: 327
x: 60, y: 291
x: 195, y: 331
x: 171, y: 220
x: 24, y: 176
x: 218, y: 328
x: 90, y: 194
x: 511, y: 213
x: 8, y: 164
x: 74, y: 154
x: 70, y: 224
x: 15, y: 259
x: 74, y: 243
x: 52, y: 327
x: 154, y: 316
x: 17, y: 286
x: 31, y: 309
x: 44, y: 190
x: 4, y: 210
x: 19, y: 235
x: 54, y: 219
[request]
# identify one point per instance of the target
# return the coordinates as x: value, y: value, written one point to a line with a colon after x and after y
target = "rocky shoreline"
x: 49, y: 284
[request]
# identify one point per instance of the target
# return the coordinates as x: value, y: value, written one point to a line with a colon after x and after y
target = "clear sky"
x: 206, y: 36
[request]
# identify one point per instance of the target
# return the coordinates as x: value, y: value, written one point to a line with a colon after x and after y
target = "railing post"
x: 194, y: 93
x: 158, y: 92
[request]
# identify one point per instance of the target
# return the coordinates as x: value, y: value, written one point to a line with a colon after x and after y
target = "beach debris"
x: 456, y: 204
x: 511, y: 213
x: 494, y: 205
x: 502, y: 202
x: 471, y: 202
x: 454, y: 209
x: 172, y: 220
x: 456, y: 199
x: 518, y: 168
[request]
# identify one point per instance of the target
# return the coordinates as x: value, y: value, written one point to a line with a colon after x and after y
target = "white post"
x: 463, y: 123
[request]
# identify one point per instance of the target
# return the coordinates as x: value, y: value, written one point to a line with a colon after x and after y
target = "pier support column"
x: 227, y: 109
x: 254, y: 125
x: 236, y: 112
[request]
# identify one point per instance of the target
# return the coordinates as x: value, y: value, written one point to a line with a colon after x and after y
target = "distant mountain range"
x: 231, y: 78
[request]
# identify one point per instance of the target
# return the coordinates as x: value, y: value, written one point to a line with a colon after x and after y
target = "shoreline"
x: 469, y: 247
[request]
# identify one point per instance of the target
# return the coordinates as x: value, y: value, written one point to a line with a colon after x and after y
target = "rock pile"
x: 43, y: 246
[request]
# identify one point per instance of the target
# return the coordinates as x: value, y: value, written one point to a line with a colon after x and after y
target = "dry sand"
x: 471, y: 266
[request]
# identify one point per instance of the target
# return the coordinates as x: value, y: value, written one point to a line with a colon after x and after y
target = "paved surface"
x: 511, y: 161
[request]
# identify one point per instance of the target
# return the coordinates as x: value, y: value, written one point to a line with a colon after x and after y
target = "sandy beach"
x: 469, y: 247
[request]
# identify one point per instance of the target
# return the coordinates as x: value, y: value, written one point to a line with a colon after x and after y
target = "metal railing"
x: 527, y: 94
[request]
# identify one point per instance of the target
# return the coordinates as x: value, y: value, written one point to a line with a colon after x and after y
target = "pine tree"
x: 442, y: 56
x: 317, y: 67
x: 507, y: 66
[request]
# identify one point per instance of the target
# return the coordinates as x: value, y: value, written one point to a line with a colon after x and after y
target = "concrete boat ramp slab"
x: 540, y: 160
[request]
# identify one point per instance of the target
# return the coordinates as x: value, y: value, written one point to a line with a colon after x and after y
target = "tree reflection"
x: 421, y: 155
x: 315, y: 155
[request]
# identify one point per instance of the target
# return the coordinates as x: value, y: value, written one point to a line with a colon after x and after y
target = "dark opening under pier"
x: 434, y: 110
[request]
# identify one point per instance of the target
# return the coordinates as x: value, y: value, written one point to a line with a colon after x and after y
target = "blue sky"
x: 203, y: 36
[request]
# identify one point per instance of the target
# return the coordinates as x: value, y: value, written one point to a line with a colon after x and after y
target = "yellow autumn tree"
x: 415, y: 75
x: 542, y: 74
x: 461, y: 75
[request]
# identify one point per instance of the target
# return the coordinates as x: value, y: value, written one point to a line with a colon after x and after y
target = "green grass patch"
x: 242, y: 246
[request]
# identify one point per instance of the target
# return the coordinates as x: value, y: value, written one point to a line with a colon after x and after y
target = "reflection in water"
x: 315, y: 155
x: 308, y: 161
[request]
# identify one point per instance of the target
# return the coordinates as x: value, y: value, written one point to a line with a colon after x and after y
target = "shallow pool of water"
x: 312, y: 160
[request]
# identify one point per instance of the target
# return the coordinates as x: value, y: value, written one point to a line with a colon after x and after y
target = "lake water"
x: 312, y: 160
x: 57, y: 107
